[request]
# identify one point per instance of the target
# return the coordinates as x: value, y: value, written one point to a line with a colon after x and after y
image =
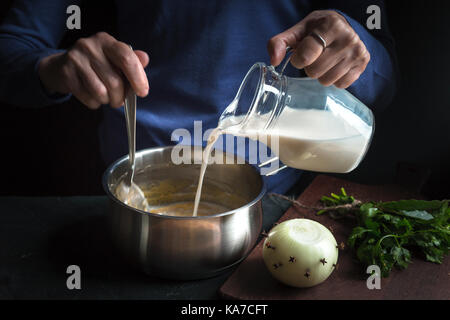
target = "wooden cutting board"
x: 421, y: 280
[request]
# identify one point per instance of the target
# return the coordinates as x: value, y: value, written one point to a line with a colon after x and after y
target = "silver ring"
x: 322, y: 40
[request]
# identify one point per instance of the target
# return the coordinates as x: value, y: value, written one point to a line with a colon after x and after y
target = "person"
x: 189, y: 59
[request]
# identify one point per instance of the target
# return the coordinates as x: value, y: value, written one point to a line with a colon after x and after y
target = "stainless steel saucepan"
x: 185, y: 247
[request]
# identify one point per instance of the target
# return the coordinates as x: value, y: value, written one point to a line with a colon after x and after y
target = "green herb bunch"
x: 387, y: 231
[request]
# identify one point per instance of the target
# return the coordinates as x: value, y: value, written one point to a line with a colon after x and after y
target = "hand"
x: 96, y: 70
x: 341, y: 63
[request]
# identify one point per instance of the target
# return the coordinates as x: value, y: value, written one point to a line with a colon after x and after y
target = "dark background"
x: 54, y: 150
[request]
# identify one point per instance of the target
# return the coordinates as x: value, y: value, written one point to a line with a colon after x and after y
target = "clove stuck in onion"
x: 300, y: 252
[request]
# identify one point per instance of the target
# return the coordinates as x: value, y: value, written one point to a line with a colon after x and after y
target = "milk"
x: 309, y: 139
x: 313, y: 140
x: 206, y: 154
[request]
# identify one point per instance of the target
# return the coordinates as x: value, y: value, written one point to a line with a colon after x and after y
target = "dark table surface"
x: 41, y: 237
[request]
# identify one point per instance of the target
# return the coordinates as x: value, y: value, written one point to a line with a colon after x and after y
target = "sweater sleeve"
x: 31, y: 31
x: 377, y: 84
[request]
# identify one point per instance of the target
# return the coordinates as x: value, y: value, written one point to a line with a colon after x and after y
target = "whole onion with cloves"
x: 300, y: 252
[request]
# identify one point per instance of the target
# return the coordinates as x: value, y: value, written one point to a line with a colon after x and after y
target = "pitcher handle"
x: 287, y: 58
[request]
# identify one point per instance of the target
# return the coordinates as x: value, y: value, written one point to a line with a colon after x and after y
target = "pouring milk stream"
x: 308, y: 126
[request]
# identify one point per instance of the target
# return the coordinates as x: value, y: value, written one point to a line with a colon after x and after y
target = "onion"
x: 300, y: 252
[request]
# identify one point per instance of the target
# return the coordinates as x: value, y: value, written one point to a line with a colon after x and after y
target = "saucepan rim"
x: 111, y: 196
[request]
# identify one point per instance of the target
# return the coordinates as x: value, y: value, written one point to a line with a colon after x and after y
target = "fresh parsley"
x: 386, y: 232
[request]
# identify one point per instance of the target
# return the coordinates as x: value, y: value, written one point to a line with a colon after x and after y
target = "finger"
x: 277, y: 45
x: 112, y: 79
x: 307, y: 51
x: 335, y: 73
x: 94, y: 85
x: 88, y: 77
x: 325, y: 62
x: 277, y: 50
x: 82, y: 94
x: 143, y: 57
x: 349, y: 78
x: 329, y: 28
x: 128, y: 62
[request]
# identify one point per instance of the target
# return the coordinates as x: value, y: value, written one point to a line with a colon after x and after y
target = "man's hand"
x: 342, y: 61
x: 96, y: 70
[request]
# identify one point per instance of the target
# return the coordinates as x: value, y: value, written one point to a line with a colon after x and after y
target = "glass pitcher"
x: 307, y: 125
